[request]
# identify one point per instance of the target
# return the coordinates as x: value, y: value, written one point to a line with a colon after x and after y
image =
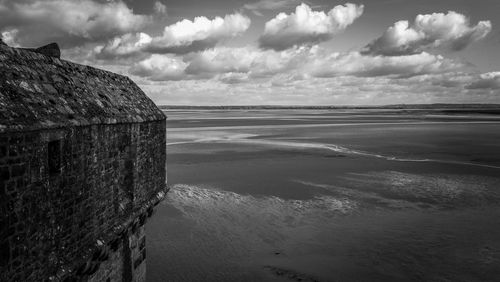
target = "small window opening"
x: 54, y: 157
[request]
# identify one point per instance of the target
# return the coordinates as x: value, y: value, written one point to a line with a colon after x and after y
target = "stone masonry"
x: 82, y: 164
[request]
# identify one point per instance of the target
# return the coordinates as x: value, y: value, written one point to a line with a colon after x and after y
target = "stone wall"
x: 73, y: 201
x: 126, y: 263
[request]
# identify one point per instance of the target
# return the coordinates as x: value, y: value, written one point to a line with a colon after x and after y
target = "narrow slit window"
x: 54, y: 157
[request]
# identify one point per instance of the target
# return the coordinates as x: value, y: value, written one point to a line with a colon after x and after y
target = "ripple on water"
x: 442, y: 190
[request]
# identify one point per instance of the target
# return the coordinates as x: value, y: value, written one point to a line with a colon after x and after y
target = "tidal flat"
x: 329, y: 195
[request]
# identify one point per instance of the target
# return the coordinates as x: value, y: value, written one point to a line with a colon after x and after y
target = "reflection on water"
x: 198, y: 203
x: 244, y: 223
x: 227, y: 236
x: 443, y: 190
x: 404, y: 190
x: 224, y: 236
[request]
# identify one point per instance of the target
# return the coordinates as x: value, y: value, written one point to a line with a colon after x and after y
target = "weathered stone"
x: 100, y: 97
x: 50, y: 50
x: 80, y: 167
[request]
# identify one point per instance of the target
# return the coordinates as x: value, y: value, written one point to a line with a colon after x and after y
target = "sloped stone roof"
x: 51, y: 50
x: 40, y: 92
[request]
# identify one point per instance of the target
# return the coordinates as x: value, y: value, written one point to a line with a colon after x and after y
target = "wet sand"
x: 303, y: 195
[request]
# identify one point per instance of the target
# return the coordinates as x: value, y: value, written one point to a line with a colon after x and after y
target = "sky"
x: 276, y: 52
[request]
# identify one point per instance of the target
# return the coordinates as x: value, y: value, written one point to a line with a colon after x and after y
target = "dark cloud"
x: 68, y: 22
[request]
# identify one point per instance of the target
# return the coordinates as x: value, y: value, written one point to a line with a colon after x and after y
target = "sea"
x: 328, y: 195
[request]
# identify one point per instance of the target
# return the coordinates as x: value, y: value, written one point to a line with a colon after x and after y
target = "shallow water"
x: 302, y: 195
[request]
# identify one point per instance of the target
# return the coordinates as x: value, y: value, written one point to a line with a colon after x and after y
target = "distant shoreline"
x: 476, y: 108
x: 331, y: 107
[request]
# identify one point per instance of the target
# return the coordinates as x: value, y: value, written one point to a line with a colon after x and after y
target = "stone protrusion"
x: 51, y: 50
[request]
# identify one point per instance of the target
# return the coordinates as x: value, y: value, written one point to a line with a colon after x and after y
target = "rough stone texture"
x: 51, y: 50
x: 134, y: 257
x: 82, y: 163
x: 41, y: 92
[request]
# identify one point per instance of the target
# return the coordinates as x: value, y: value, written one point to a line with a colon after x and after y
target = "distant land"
x: 445, y: 108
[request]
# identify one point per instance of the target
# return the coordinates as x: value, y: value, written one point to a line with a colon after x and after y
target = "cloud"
x: 234, y: 77
x: 159, y: 68
x: 68, y: 22
x: 183, y: 37
x: 299, y: 63
x: 268, y: 5
x: 126, y: 45
x: 357, y: 64
x: 449, y: 80
x: 283, y: 89
x: 160, y: 8
x: 310, y: 75
x: 187, y: 33
x: 306, y: 26
x: 452, y: 31
x: 254, y: 62
x: 9, y: 37
x: 221, y: 60
x: 490, y: 80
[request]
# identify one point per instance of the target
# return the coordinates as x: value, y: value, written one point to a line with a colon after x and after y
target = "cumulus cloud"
x: 312, y: 75
x: 255, y: 62
x: 159, y: 67
x: 233, y: 64
x: 9, y: 37
x: 452, y: 31
x: 201, y: 30
x: 68, y: 22
x: 225, y: 60
x: 180, y: 38
x: 306, y: 26
x: 490, y: 80
x: 357, y: 64
x: 126, y: 45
